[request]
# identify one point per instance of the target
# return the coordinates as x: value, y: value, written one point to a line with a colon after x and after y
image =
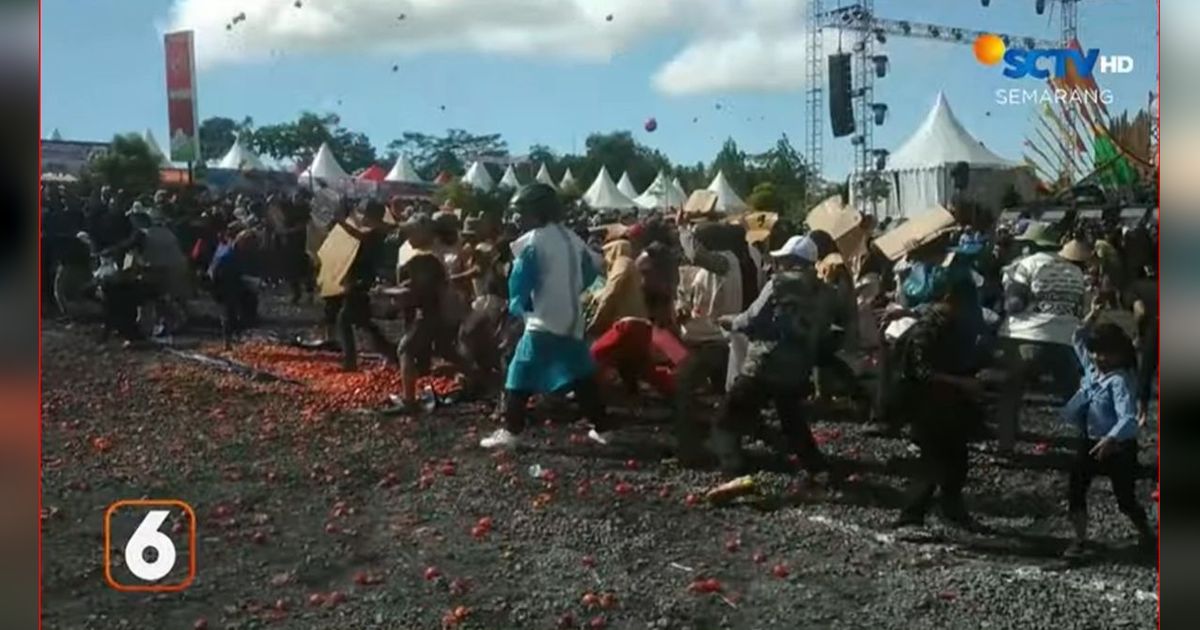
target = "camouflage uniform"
x: 785, y: 325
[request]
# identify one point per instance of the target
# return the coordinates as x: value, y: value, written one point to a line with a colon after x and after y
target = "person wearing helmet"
x: 551, y: 270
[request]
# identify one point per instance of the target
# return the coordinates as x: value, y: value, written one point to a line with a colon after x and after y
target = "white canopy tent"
x: 324, y: 168
x: 403, y: 172
x: 568, y: 180
x: 626, y: 186
x: 728, y: 201
x: 603, y: 194
x: 240, y: 158
x: 678, y: 188
x: 155, y: 149
x: 543, y: 176
x: 477, y: 177
x: 661, y: 194
x: 509, y: 180
x: 919, y: 172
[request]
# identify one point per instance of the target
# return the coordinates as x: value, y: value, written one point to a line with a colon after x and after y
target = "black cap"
x: 538, y: 201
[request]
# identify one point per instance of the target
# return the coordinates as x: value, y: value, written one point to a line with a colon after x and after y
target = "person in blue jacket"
x: 1104, y: 409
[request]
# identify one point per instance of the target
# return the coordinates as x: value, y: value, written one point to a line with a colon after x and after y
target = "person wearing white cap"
x: 784, y: 326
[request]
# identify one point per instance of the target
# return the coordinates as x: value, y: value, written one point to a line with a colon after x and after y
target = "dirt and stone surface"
x: 353, y: 519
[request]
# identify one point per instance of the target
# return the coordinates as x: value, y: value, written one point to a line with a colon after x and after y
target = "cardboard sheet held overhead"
x: 335, y: 256
x: 701, y: 203
x: 844, y: 224
x: 915, y: 232
x: 759, y: 225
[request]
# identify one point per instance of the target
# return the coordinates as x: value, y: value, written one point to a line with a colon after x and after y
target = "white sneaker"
x: 600, y: 438
x: 501, y: 438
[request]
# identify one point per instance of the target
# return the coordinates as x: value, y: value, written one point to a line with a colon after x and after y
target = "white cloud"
x: 727, y: 44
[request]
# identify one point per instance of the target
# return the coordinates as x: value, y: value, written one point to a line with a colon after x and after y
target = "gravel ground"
x: 382, y: 510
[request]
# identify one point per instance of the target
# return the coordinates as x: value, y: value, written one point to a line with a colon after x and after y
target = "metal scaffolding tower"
x: 864, y: 92
x: 869, y: 30
x: 1070, y: 20
x: 814, y: 96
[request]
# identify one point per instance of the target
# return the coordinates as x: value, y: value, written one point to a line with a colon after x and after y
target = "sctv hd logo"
x: 1043, y: 63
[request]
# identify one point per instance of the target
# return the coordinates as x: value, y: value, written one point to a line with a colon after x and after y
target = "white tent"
x: 626, y: 186
x: 728, y: 200
x: 543, y: 176
x: 403, y: 172
x: 509, y: 180
x: 324, y: 167
x: 240, y: 158
x: 679, y: 191
x: 604, y: 194
x: 919, y: 172
x: 477, y: 177
x: 155, y: 149
x: 568, y: 180
x: 661, y: 194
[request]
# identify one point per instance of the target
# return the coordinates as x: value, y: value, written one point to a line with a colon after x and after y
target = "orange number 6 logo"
x: 150, y: 515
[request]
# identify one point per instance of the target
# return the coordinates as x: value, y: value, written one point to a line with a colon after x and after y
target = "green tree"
x: 619, y: 153
x: 299, y: 140
x: 786, y: 170
x: 217, y: 135
x: 764, y: 198
x: 451, y: 153
x: 732, y: 161
x: 128, y: 165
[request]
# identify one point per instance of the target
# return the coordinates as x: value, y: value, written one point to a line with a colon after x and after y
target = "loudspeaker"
x: 841, y: 106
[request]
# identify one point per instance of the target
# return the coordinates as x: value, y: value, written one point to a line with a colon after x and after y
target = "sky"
x: 547, y: 71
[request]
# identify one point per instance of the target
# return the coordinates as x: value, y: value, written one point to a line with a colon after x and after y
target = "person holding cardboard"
x: 355, y: 267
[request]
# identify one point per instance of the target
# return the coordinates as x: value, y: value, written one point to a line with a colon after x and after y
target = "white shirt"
x: 559, y: 283
x: 1055, y: 310
x: 710, y: 296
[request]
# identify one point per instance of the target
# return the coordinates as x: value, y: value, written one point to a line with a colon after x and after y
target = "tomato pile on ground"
x: 363, y: 520
x: 329, y: 388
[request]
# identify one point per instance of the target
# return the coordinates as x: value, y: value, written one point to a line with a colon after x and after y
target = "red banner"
x: 181, y: 96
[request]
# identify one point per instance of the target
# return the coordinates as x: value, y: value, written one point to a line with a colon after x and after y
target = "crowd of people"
x: 543, y: 301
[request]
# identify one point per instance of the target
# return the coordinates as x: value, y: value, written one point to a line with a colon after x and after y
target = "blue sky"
x: 103, y: 69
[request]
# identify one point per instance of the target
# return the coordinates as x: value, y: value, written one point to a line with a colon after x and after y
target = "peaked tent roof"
x: 543, y: 176
x: 240, y: 158
x: 728, y: 200
x: 661, y: 194
x: 55, y: 135
x: 324, y: 166
x: 403, y: 172
x: 603, y: 194
x: 478, y: 177
x: 373, y: 173
x: 155, y: 149
x: 941, y: 139
x: 509, y: 179
x: 626, y: 186
x: 678, y: 188
x: 568, y: 180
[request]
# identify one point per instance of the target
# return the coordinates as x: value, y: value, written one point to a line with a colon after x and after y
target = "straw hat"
x: 1075, y: 251
x: 1038, y: 234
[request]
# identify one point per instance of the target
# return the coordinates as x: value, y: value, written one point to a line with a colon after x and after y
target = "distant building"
x: 69, y: 157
